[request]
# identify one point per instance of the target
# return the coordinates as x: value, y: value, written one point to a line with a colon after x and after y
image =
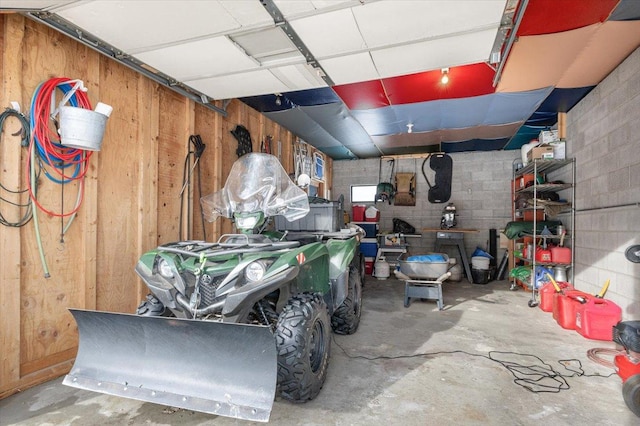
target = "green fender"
x: 312, y: 260
x: 341, y: 253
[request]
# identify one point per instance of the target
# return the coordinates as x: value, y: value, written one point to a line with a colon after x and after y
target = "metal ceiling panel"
x: 397, y: 22
x: 340, y: 34
x: 199, y: 59
x: 298, y: 77
x: 350, y: 68
x: 299, y: 8
x: 239, y: 85
x: 135, y: 26
x: 434, y: 54
x: 247, y: 13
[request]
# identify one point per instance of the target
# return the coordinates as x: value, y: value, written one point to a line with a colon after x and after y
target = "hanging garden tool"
x: 442, y: 164
x: 385, y: 191
x: 198, y: 149
x: 242, y: 135
x: 265, y: 145
x: 302, y: 163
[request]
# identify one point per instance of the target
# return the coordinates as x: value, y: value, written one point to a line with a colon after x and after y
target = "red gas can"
x: 546, y: 294
x: 565, y: 306
x: 596, y: 318
x: 357, y: 213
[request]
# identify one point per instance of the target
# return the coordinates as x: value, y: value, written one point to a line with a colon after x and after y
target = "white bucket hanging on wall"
x: 83, y: 128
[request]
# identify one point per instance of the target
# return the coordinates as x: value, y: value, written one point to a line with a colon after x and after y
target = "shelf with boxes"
x: 538, y: 204
x: 369, y: 244
x: 367, y: 218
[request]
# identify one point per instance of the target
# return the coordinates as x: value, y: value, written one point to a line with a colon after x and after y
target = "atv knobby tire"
x: 346, y: 318
x: 303, y: 339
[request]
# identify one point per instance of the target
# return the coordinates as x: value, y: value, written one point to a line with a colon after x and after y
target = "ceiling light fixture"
x: 445, y: 76
x: 410, y: 128
x: 278, y: 100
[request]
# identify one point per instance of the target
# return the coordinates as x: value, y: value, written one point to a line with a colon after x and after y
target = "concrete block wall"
x: 603, y: 135
x: 480, y: 190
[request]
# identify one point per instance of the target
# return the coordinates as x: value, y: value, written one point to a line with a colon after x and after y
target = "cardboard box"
x: 547, y: 136
x: 522, y: 181
x: 559, y: 150
x: 543, y: 152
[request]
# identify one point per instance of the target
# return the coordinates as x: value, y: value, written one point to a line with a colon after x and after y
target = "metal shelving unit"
x: 543, y: 167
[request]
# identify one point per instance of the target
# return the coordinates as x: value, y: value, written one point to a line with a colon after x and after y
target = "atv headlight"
x: 248, y: 221
x: 254, y: 271
x: 164, y: 268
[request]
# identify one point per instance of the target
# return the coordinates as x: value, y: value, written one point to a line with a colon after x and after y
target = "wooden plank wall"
x: 131, y: 201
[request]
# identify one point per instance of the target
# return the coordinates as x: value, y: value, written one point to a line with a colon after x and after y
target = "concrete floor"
x: 378, y: 375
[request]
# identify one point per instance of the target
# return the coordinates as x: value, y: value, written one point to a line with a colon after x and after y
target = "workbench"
x: 398, y: 249
x: 454, y: 237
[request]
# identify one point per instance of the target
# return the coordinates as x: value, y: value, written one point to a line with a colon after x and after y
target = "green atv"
x: 228, y: 323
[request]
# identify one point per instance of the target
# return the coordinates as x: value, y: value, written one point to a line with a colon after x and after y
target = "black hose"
x: 24, y: 132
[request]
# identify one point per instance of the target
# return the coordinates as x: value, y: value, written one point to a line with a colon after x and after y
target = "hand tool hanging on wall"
x: 442, y: 164
x: 385, y: 191
x: 242, y: 135
x: 196, y: 153
x: 301, y: 159
x: 16, y: 196
x: 265, y: 145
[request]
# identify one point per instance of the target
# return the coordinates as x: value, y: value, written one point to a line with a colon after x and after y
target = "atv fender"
x: 341, y: 253
x: 239, y: 302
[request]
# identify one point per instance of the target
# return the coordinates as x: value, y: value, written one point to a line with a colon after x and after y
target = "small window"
x: 318, y: 166
x: 363, y: 193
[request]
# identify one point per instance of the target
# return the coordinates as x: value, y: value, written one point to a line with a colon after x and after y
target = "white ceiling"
x: 198, y: 42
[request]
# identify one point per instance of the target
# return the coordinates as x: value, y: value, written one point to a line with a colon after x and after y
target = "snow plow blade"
x: 219, y: 368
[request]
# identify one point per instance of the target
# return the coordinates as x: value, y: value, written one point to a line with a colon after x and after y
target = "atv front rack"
x: 202, y: 248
